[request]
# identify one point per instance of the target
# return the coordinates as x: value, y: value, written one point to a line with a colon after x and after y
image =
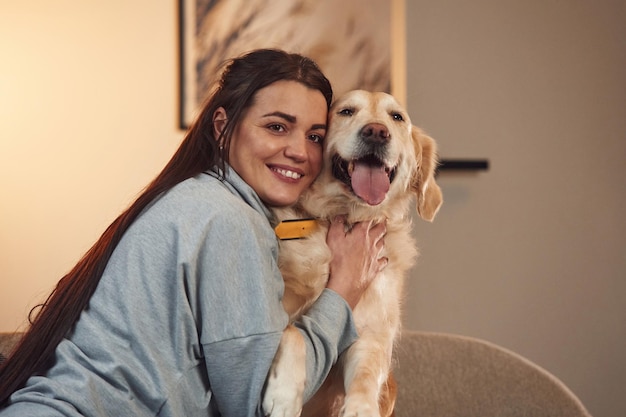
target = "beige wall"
x: 530, y: 255
x: 88, y: 116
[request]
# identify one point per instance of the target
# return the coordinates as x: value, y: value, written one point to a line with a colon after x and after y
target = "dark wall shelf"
x: 463, y: 165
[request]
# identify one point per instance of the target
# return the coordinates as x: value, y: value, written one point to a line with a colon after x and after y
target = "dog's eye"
x: 346, y: 112
x: 397, y: 117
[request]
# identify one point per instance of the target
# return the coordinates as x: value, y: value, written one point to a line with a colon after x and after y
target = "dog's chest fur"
x: 304, y: 264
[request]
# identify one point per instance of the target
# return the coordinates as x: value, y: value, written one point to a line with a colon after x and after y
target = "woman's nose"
x: 296, y: 148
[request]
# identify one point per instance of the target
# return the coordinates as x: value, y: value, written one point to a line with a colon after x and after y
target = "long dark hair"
x: 241, y: 78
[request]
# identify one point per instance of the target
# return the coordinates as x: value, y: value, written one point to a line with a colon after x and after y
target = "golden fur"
x: 361, y: 124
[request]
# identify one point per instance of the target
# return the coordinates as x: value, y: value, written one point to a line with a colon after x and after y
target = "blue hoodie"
x: 187, y: 317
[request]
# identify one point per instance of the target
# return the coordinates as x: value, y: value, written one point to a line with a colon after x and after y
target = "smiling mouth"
x: 368, y: 177
x: 288, y: 173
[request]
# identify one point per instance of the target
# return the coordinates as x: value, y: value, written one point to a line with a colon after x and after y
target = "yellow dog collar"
x: 295, y: 228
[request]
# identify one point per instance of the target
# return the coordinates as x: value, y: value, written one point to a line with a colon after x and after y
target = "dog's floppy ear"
x: 429, y: 197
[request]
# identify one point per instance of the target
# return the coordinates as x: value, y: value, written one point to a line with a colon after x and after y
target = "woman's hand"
x: 356, y: 257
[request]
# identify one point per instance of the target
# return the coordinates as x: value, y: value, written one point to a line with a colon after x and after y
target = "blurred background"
x: 530, y: 254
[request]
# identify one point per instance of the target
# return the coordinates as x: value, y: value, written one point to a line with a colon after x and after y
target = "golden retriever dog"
x: 375, y: 162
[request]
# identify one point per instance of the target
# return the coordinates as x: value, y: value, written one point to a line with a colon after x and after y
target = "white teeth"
x: 350, y: 168
x: 288, y: 174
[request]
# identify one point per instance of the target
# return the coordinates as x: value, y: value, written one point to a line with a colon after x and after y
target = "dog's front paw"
x: 282, y: 399
x: 285, y: 383
x: 359, y: 407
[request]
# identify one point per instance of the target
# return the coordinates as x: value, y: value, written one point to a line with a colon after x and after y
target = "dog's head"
x: 374, y: 156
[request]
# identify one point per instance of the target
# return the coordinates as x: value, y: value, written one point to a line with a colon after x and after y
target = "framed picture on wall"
x: 357, y: 43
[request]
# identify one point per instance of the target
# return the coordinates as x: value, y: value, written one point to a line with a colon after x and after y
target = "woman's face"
x: 277, y: 146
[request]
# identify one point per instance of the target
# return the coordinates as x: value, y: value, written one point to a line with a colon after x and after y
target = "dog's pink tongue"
x: 370, y: 183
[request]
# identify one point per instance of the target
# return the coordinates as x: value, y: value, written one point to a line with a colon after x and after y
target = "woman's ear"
x: 219, y: 122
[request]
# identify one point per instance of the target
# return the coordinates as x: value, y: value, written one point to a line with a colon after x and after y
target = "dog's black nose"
x: 375, y: 133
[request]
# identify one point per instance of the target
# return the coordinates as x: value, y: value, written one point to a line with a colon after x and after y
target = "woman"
x: 176, y: 309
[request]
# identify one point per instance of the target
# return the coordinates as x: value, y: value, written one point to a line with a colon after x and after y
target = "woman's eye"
x: 346, y: 112
x: 316, y: 138
x: 277, y: 127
